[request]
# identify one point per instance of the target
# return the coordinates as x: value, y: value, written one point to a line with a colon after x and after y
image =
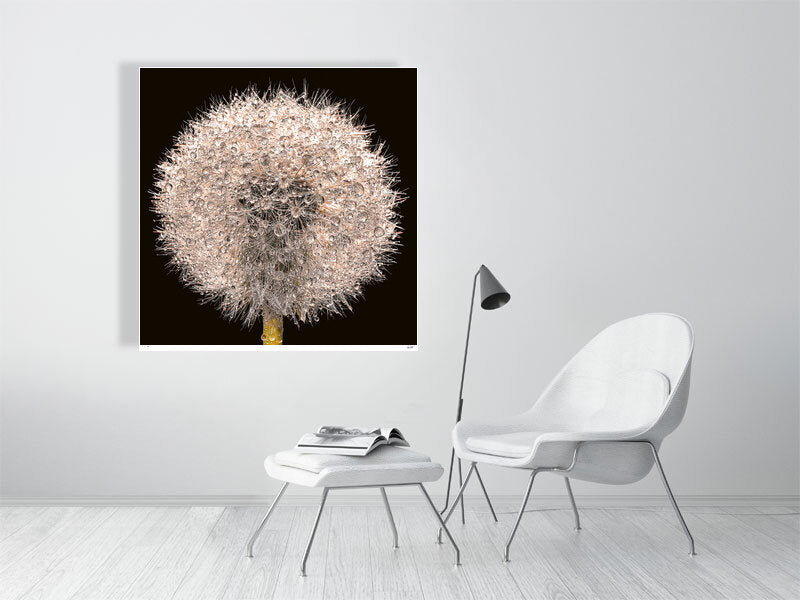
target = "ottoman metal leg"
x: 264, y: 520
x: 313, y: 531
x: 391, y: 518
x: 442, y: 523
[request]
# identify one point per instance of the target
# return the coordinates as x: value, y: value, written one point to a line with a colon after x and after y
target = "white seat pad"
x: 509, y: 445
x: 387, y: 465
x: 380, y: 456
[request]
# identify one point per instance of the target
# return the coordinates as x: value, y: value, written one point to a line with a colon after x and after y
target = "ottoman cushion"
x: 385, y: 465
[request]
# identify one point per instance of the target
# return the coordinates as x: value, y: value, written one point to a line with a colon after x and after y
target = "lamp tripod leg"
x: 449, y: 481
x: 461, y: 483
x: 455, y: 502
x: 449, y: 488
x: 442, y: 525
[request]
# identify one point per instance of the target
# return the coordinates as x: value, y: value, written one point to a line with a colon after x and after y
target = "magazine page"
x: 395, y: 437
x: 333, y: 430
x: 354, y: 441
x: 392, y: 434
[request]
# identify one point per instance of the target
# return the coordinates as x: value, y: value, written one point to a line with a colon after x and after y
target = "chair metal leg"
x: 449, y: 481
x: 391, y: 518
x: 455, y: 502
x: 257, y: 532
x: 672, y: 500
x: 574, y: 507
x: 461, y: 482
x: 313, y: 531
x: 519, y: 516
x: 442, y: 523
x: 485, y: 495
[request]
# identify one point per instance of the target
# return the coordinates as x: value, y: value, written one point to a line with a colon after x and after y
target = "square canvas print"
x: 278, y: 208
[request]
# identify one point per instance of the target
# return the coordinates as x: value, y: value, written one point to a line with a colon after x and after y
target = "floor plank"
x: 612, y: 552
x: 113, y: 576
x: 583, y: 557
x: 214, y: 565
x: 786, y: 511
x: 487, y: 575
x: 349, y: 556
x: 289, y: 584
x: 40, y: 560
x: 13, y: 518
x: 67, y: 576
x: 590, y: 558
x: 782, y: 527
x: 163, y: 574
x: 709, y: 571
x: 180, y: 553
x: 28, y: 536
x: 394, y: 572
x: 783, y: 534
x: 752, y: 552
x: 438, y: 577
x: 657, y: 551
x: 537, y: 576
x: 255, y: 578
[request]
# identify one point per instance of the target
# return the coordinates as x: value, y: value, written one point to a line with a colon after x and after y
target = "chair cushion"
x: 380, y: 456
x: 509, y: 445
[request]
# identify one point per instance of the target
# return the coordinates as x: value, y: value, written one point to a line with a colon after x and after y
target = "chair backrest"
x: 632, y: 375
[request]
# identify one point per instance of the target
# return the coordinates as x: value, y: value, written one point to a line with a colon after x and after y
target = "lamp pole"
x: 458, y: 417
x: 466, y: 346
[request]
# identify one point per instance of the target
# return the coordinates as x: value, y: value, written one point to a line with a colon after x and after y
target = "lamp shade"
x: 493, y: 295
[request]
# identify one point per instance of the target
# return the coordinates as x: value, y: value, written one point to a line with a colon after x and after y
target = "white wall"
x: 603, y: 159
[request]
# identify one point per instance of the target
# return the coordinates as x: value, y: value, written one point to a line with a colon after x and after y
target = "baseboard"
x: 359, y: 499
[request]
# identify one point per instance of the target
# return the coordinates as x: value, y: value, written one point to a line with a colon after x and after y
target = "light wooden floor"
x: 195, y: 553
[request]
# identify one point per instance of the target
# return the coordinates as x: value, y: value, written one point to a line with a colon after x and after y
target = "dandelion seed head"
x: 278, y: 204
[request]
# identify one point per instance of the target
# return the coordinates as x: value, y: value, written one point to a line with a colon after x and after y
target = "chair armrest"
x: 558, y: 449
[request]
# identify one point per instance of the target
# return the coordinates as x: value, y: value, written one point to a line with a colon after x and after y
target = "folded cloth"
x: 380, y: 456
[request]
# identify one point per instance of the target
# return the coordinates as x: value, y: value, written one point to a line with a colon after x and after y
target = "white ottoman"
x: 383, y: 467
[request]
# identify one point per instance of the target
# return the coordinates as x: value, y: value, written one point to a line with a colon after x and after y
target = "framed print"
x: 278, y: 208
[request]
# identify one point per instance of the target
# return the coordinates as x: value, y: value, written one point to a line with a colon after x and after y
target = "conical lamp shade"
x: 493, y: 295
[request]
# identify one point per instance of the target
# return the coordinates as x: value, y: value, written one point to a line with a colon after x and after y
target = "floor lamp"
x: 493, y: 295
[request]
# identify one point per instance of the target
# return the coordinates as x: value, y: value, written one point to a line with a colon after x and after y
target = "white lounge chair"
x: 601, y: 419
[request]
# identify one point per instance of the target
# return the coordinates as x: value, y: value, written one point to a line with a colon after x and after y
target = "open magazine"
x: 349, y: 441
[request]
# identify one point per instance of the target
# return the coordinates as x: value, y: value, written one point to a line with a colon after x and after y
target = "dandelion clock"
x: 278, y: 206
